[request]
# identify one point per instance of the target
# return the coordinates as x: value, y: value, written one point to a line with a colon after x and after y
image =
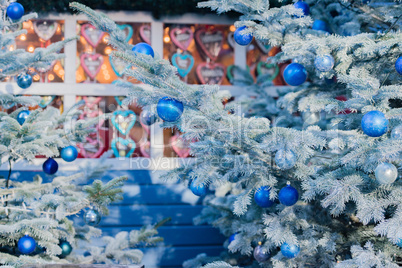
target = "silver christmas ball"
x: 324, y: 63
x: 396, y: 133
x: 311, y: 118
x: 261, y: 254
x: 386, y: 173
x: 92, y: 217
x: 285, y: 159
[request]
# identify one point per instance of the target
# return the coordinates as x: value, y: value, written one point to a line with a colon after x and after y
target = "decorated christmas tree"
x: 319, y: 193
x: 36, y: 225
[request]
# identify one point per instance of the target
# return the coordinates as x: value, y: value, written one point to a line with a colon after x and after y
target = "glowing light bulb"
x: 108, y: 50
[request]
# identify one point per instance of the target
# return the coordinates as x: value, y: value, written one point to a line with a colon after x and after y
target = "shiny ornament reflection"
x: 290, y: 251
x: 386, y: 173
x: 285, y: 159
x: 261, y: 254
x: 324, y: 63
x: 24, y: 81
x: 396, y: 133
x: 92, y: 217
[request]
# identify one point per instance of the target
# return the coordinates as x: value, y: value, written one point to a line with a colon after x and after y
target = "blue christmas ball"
x: 24, y: 81
x: 321, y: 25
x: 289, y: 250
x: 169, y: 109
x: 374, y: 124
x: 324, y: 63
x: 50, y: 166
x: 147, y: 117
x: 198, y: 190
x: 295, y: 74
x: 232, y: 238
x: 261, y: 197
x: 285, y: 159
x: 143, y: 48
x: 69, y: 153
x: 303, y: 6
x: 26, y: 244
x: 261, y: 254
x: 399, y: 244
x: 66, y: 248
x: 15, y: 11
x: 22, y: 116
x: 92, y: 217
x: 242, y: 39
x: 398, y: 65
x: 288, y: 195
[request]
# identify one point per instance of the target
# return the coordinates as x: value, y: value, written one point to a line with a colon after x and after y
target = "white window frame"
x: 69, y: 89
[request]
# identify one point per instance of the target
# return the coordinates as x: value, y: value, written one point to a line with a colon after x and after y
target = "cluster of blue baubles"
x: 261, y: 254
x: 27, y: 245
x: 288, y: 196
x: 68, y: 154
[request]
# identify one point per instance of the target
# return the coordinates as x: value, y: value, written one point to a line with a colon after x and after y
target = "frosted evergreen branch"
x: 103, y: 194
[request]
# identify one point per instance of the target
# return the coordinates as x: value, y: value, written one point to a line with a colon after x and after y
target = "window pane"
x: 93, y: 61
x: 201, y: 52
x: 123, y: 133
x: 258, y: 62
x: 42, y: 33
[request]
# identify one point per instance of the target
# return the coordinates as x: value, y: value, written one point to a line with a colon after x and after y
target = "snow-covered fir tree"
x: 323, y: 192
x: 36, y: 226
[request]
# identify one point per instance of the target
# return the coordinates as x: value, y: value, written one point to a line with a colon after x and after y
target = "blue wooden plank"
x: 134, y: 176
x: 172, y: 194
x: 156, y: 194
x: 175, y: 256
x: 180, y: 235
x: 138, y: 215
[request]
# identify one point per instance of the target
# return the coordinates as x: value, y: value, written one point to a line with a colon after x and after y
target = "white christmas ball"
x: 311, y: 118
x: 285, y: 159
x: 396, y: 133
x: 324, y: 63
x: 386, y: 173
